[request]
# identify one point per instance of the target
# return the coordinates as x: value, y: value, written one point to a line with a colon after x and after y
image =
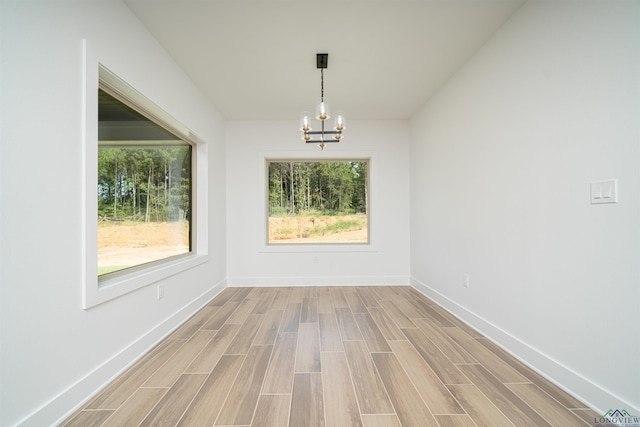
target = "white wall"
x: 501, y: 159
x: 251, y: 262
x: 501, y: 162
x: 53, y: 353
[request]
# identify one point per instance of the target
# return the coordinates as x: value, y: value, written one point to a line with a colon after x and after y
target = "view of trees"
x: 324, y: 187
x: 144, y: 183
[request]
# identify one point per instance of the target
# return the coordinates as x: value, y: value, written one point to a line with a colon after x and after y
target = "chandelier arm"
x: 327, y: 132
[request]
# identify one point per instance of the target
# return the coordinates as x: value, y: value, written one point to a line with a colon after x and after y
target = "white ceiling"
x: 255, y: 59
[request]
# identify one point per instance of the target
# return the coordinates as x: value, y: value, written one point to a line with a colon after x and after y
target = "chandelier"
x: 323, y: 137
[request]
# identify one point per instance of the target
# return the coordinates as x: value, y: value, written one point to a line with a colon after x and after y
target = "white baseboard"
x: 236, y: 282
x: 563, y: 376
x: 71, y: 399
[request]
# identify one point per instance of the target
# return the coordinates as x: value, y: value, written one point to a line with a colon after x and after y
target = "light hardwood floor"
x: 329, y: 356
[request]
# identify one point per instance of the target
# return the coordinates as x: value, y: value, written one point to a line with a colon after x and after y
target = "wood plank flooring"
x: 328, y: 356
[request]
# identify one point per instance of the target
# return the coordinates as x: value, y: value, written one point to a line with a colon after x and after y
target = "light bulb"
x: 305, y: 121
x: 322, y: 111
x: 340, y: 122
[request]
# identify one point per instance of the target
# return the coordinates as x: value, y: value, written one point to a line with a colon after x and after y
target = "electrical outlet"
x: 465, y: 280
x: 160, y: 291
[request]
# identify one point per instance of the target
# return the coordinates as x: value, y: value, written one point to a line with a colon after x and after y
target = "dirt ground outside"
x: 318, y: 229
x: 126, y: 244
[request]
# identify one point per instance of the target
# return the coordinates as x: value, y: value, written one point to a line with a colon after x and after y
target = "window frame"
x: 148, y: 145
x: 324, y: 156
x: 95, y: 291
x: 307, y: 160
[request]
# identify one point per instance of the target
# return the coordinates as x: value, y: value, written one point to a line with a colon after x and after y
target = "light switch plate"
x: 604, y: 191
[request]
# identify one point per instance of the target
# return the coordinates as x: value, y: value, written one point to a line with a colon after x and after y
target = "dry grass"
x: 324, y: 229
x: 126, y: 244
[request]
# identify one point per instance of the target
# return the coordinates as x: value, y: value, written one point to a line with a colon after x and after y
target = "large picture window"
x: 321, y: 201
x: 144, y: 189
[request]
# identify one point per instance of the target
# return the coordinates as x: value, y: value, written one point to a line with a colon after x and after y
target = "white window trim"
x: 95, y: 293
x: 263, y: 213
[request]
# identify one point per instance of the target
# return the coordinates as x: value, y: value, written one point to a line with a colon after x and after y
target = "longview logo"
x: 617, y: 417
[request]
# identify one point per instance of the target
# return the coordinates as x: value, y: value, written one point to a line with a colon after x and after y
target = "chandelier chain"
x: 321, y: 85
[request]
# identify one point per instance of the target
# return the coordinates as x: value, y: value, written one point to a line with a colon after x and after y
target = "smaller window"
x: 323, y: 201
x: 144, y: 189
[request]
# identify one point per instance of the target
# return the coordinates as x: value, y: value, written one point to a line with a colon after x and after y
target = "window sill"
x: 318, y: 247
x: 113, y: 288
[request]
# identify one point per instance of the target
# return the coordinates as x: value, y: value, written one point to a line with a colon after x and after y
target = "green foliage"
x: 346, y: 225
x: 343, y: 225
x: 278, y: 211
x: 144, y: 184
x: 322, y: 187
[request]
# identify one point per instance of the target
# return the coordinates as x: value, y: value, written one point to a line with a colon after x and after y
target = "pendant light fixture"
x: 322, y: 113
